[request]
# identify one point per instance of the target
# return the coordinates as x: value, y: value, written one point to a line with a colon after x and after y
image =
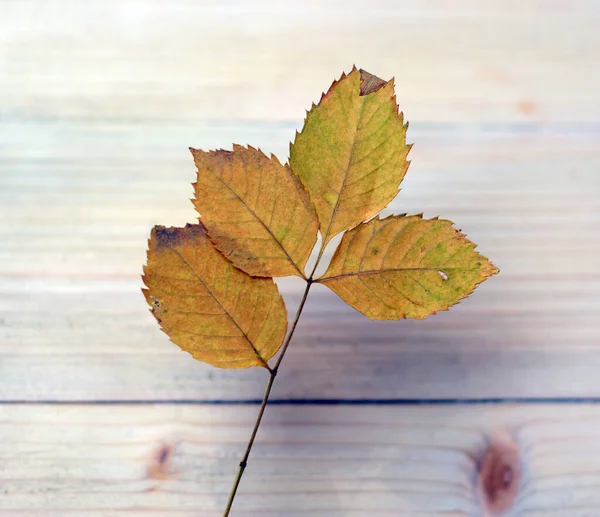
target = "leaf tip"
x: 492, y: 268
x: 370, y: 83
x: 196, y: 153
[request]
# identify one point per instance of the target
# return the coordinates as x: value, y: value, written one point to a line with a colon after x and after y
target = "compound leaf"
x: 256, y: 211
x: 405, y: 267
x: 206, y: 305
x: 351, y: 154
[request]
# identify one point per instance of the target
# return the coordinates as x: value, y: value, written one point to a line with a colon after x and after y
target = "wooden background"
x: 99, y: 101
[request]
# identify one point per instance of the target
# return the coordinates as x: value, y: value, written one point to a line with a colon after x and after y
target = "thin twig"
x: 272, y: 375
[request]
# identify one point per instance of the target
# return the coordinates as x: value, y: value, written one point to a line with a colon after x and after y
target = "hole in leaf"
x: 156, y: 304
x: 443, y: 274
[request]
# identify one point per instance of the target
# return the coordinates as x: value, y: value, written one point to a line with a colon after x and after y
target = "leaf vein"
x: 221, y: 305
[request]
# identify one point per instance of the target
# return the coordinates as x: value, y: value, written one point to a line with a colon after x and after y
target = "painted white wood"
x: 467, y: 60
x: 79, y: 199
x: 99, y: 102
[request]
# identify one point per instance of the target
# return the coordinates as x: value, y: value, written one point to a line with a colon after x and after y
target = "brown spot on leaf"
x: 224, y: 156
x: 163, y: 237
x: 499, y: 474
x: 370, y: 83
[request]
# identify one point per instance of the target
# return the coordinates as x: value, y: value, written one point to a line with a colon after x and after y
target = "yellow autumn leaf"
x: 206, y: 305
x: 352, y: 153
x: 405, y: 267
x: 256, y: 211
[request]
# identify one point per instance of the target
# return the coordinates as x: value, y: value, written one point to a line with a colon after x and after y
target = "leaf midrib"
x: 394, y: 270
x: 259, y: 220
x: 222, y: 307
x: 352, y: 148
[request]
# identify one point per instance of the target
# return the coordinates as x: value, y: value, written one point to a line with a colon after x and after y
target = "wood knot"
x: 499, y: 474
x: 159, y: 466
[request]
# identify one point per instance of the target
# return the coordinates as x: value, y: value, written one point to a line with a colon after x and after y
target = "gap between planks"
x: 312, y: 402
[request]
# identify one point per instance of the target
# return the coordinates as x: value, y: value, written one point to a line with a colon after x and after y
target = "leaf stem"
x: 272, y: 375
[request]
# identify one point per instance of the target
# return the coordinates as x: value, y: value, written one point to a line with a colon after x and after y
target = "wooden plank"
x: 471, y: 60
x: 78, y: 205
x: 105, y: 346
x: 340, y: 461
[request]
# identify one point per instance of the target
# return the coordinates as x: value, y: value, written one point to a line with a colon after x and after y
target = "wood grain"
x: 99, y: 103
x: 340, y: 461
x: 472, y: 60
x: 79, y: 206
